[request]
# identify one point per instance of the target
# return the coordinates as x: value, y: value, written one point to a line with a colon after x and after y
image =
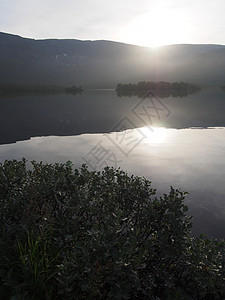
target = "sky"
x: 141, y: 22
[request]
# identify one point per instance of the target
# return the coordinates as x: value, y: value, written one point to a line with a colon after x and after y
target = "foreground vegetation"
x: 76, y: 234
x: 162, y: 89
x: 11, y: 90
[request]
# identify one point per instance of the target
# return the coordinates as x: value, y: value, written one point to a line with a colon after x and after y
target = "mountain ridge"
x: 104, y: 63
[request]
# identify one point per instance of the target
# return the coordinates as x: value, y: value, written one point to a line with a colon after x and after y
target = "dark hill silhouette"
x: 105, y: 63
x: 206, y: 68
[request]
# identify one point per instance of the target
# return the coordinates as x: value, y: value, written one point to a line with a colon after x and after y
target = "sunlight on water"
x: 155, y: 135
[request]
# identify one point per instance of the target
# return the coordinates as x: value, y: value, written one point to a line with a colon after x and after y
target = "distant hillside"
x: 207, y: 68
x: 105, y: 63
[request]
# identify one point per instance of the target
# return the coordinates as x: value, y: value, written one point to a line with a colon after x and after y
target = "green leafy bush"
x: 76, y: 234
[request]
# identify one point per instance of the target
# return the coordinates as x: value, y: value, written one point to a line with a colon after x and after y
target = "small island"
x: 162, y: 89
x: 13, y: 89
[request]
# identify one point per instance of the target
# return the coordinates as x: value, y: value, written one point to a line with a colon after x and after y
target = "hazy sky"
x: 141, y: 22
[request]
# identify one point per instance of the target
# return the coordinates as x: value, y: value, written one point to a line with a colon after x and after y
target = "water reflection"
x: 60, y: 128
x: 189, y: 159
x: 102, y: 111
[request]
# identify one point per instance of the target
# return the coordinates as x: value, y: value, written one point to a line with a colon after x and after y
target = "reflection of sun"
x: 155, y: 135
x: 160, y: 26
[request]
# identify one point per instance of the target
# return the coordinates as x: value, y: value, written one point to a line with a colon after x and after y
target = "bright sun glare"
x: 155, y: 135
x: 156, y: 28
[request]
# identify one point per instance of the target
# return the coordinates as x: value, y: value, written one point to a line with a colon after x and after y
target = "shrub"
x: 76, y: 234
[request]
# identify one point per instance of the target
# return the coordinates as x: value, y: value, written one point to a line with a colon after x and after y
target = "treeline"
x: 162, y: 89
x: 11, y: 89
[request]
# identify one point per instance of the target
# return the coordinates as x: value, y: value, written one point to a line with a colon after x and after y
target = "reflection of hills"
x: 99, y: 112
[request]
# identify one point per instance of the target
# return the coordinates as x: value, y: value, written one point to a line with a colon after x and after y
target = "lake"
x: 177, y: 142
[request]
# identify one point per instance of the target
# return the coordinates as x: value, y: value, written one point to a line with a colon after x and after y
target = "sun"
x: 161, y: 26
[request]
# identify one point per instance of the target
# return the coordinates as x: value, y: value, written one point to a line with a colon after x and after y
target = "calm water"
x: 171, y: 141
